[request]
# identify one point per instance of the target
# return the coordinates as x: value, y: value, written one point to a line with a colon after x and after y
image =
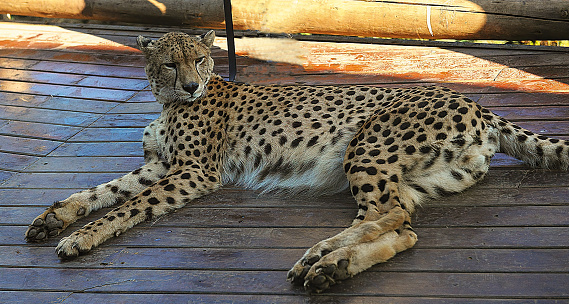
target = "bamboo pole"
x: 430, y: 19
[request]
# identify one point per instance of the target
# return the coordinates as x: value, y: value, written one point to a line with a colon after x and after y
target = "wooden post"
x: 427, y: 19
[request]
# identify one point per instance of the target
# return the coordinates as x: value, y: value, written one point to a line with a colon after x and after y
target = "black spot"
x: 456, y: 175
x: 425, y: 149
x: 371, y: 171
x: 296, y: 142
x: 448, y: 155
x: 439, y: 104
x: 392, y: 159
x: 539, y: 150
x: 410, y: 150
x: 355, y: 190
x: 153, y: 201
x: 367, y: 188
x: 312, y: 141
x: 408, y: 135
x: 381, y: 185
x: 419, y: 188
x: 149, y: 213
x: 268, y: 149
x: 144, y: 181
x: 460, y: 127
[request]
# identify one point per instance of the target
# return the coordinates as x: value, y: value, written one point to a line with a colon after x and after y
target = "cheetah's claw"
x: 43, y: 228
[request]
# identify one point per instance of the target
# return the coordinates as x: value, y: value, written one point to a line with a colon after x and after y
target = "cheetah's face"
x: 178, y: 66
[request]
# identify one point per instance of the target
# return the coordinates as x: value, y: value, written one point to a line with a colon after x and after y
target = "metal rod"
x: 230, y: 39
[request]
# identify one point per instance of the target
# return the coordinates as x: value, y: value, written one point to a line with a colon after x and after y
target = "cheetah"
x: 393, y: 148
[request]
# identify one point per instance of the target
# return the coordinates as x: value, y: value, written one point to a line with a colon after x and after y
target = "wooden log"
x: 428, y: 19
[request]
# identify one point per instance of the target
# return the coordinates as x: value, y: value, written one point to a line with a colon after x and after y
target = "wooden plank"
x: 59, y: 180
x: 15, y: 162
x: 39, y: 130
x: 38, y: 76
x: 109, y: 297
x: 5, y: 175
x: 268, y: 259
x: 147, y: 235
x: 521, y: 99
x: 108, y: 135
x: 55, y: 103
x: 47, y: 115
x: 255, y: 282
x: 86, y: 164
x: 29, y: 57
x: 136, y: 72
x: 533, y: 113
x: 100, y: 149
x: 237, y: 198
x: 37, y: 197
x: 125, y: 120
x: 517, y: 216
x: 27, y: 146
x: 137, y: 108
x: 65, y: 91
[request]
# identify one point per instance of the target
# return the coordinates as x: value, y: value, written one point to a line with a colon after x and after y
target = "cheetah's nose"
x: 190, y: 87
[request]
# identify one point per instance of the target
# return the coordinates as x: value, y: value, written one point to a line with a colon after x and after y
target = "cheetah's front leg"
x: 61, y: 214
x: 169, y: 193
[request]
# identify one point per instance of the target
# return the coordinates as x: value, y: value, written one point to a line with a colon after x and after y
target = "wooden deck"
x: 74, y: 100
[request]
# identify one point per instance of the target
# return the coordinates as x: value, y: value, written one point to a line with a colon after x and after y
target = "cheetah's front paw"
x: 44, y: 226
x: 73, y: 245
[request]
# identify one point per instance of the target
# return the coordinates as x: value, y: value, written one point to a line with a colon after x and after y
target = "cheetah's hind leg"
x: 381, y: 230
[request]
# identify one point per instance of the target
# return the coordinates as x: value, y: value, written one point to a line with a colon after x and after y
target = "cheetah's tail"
x: 536, y: 150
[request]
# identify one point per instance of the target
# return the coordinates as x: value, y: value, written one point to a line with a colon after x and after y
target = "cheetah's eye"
x: 170, y: 65
x: 200, y: 60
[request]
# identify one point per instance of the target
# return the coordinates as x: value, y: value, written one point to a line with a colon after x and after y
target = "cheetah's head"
x: 178, y: 66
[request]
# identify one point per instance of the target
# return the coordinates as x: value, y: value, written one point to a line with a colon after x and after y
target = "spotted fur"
x: 395, y: 148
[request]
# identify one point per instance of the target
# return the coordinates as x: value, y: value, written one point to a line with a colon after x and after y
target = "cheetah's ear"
x: 144, y: 44
x: 208, y: 38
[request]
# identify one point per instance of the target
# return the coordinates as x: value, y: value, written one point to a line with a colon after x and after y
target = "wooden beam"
x: 427, y: 19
